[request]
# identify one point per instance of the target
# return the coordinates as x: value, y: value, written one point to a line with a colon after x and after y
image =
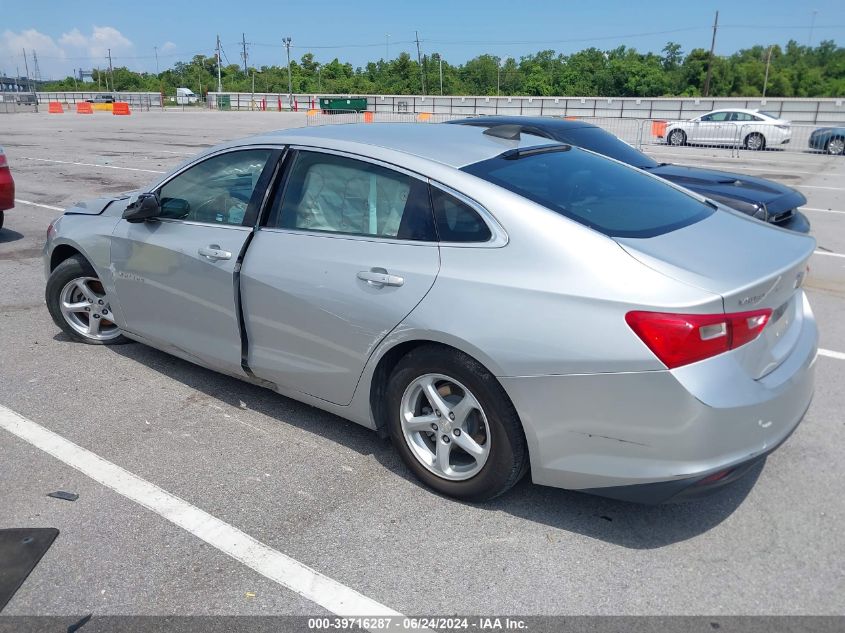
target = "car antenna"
x: 508, y: 132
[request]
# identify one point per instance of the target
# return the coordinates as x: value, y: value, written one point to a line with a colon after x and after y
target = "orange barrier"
x: 120, y: 107
x: 83, y: 107
x: 571, y: 118
x: 368, y: 117
x: 55, y: 108
x: 313, y: 112
x: 658, y: 128
x: 423, y: 116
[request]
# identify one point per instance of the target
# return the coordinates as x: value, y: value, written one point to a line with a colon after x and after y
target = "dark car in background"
x: 763, y: 199
x: 830, y: 140
x: 101, y: 99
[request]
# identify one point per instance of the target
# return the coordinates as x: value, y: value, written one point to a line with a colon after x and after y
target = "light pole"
x: 441, y: 76
x: 386, y: 46
x: 287, y: 41
x: 498, y: 74
x: 319, y: 83
x: 766, y: 79
x: 812, y: 25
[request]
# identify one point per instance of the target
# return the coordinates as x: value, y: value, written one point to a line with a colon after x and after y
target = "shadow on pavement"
x: 8, y: 235
x: 625, y: 524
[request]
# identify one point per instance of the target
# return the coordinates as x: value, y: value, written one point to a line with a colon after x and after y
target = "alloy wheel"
x: 445, y: 427
x: 754, y: 142
x: 86, y: 309
x: 836, y: 146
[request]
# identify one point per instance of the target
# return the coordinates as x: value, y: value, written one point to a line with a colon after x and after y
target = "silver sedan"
x: 495, y: 303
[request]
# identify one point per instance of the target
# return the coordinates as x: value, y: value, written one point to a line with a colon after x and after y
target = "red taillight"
x: 681, y: 339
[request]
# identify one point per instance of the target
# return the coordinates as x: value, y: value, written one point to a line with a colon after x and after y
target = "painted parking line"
x: 829, y: 254
x: 819, y: 187
x: 831, y: 354
x: 68, y: 162
x: 270, y: 563
x: 821, y: 210
x: 38, y: 204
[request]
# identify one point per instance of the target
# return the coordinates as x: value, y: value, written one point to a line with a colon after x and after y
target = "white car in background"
x: 751, y: 129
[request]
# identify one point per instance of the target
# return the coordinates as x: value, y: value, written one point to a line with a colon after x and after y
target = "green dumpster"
x: 224, y: 102
x: 332, y: 105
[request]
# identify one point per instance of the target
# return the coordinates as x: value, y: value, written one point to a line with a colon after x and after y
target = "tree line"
x: 794, y: 71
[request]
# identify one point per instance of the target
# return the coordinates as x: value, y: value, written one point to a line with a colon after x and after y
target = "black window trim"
x: 498, y: 236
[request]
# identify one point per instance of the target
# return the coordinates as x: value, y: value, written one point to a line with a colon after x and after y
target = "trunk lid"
x: 751, y: 265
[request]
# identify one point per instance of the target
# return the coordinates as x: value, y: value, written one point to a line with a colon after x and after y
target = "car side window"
x: 335, y: 194
x: 456, y: 220
x: 743, y: 117
x: 716, y: 116
x: 217, y: 190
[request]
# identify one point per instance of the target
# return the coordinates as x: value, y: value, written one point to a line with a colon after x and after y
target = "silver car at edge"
x: 495, y: 303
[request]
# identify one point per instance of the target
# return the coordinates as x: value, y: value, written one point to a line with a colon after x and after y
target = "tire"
x: 75, y: 284
x: 2, y: 217
x: 755, y: 142
x: 492, y: 429
x: 834, y: 147
x: 676, y: 138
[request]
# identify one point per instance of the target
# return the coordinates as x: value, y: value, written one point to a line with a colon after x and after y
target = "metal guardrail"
x: 798, y: 110
x: 136, y: 100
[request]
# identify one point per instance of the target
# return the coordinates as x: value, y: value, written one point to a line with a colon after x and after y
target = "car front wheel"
x: 78, y: 304
x: 453, y: 424
x: 677, y: 137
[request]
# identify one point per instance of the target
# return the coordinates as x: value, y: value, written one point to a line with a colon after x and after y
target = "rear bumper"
x: 660, y: 433
x: 797, y: 222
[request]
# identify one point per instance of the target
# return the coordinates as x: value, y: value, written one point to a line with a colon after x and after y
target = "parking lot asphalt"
x: 335, y: 497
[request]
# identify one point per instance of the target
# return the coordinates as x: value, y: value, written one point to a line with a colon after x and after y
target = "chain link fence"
x: 12, y: 102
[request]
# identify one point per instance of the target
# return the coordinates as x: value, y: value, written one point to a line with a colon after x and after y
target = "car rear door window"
x: 217, y: 190
x: 615, y: 199
x: 335, y: 194
x: 716, y: 117
x: 456, y: 220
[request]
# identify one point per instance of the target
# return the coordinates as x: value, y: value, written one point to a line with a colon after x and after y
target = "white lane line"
x: 735, y: 159
x: 272, y: 564
x: 831, y: 354
x: 68, y: 162
x: 819, y: 187
x: 822, y: 210
x: 38, y: 204
x: 828, y: 254
x: 739, y: 168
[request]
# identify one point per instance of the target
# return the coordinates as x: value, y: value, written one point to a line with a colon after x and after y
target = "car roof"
x: 746, y: 110
x: 547, y: 122
x: 452, y: 145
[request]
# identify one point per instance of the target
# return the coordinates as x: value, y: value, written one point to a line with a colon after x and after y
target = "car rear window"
x: 613, y: 199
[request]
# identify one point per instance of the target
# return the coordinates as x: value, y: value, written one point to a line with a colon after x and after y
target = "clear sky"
x: 68, y: 35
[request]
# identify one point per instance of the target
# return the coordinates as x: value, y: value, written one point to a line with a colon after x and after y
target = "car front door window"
x: 216, y: 191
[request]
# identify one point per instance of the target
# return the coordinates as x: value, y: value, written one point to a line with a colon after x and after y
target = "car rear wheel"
x: 78, y: 304
x: 835, y: 146
x: 755, y: 141
x: 677, y: 137
x: 453, y: 424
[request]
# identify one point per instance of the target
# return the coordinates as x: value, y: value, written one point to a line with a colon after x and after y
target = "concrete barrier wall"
x: 814, y: 111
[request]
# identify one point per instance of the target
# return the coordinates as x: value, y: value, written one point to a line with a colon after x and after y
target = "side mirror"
x: 145, y: 207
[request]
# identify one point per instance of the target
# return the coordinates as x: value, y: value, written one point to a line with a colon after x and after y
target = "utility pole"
x: 420, y: 62
x: 26, y: 65
x: 498, y: 74
x: 386, y: 46
x: 812, y: 25
x: 244, y: 55
x: 287, y: 41
x: 766, y: 79
x: 111, y: 72
x: 219, y: 80
x: 155, y: 48
x: 440, y: 59
x: 710, y: 61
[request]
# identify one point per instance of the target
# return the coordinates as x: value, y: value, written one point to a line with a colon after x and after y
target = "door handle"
x: 214, y: 252
x: 379, y: 278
